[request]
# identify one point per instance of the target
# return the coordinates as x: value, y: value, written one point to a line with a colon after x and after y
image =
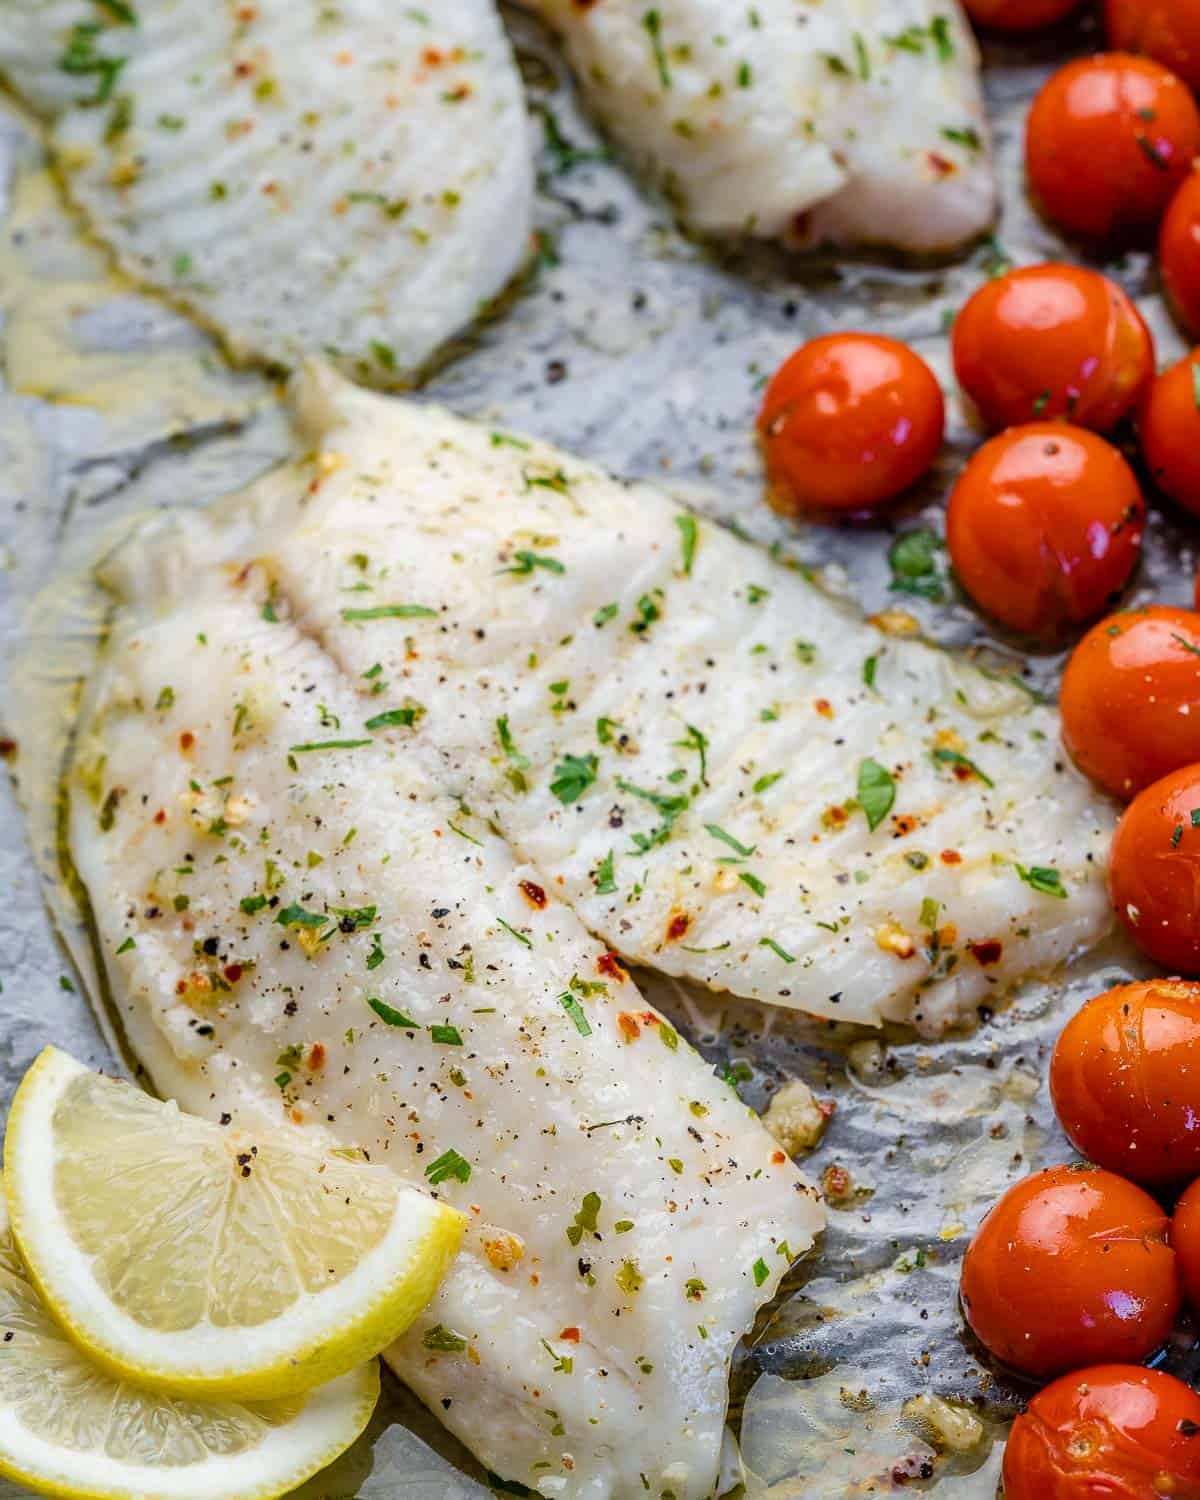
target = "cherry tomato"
x: 1179, y: 254
x: 1110, y: 139
x: 1019, y: 15
x: 1170, y: 431
x: 1052, y: 341
x: 848, y: 422
x: 1125, y: 1080
x: 1154, y: 871
x: 1167, y: 30
x: 1185, y: 1236
x: 1130, y: 699
x: 1115, y: 1432
x: 1045, y: 526
x: 1072, y: 1267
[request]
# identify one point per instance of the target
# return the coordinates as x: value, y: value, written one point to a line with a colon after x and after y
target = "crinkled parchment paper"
x: 647, y: 353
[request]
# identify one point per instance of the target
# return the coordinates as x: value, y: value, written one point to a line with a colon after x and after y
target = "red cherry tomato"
x: 1072, y: 1267
x: 848, y: 422
x: 1167, y: 30
x: 1052, y: 341
x: 1130, y: 699
x: 1154, y: 871
x: 1125, y: 1081
x: 1110, y: 139
x: 1179, y: 254
x: 1115, y: 1432
x: 1045, y: 526
x: 1185, y: 1236
x: 1019, y: 15
x: 1170, y: 432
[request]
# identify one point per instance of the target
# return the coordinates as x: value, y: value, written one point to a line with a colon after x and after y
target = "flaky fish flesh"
x: 353, y: 179
x: 296, y: 920
x: 851, y: 121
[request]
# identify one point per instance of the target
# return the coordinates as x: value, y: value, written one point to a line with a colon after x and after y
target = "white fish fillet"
x: 566, y: 607
x: 628, y: 1214
x: 853, y: 121
x: 352, y: 178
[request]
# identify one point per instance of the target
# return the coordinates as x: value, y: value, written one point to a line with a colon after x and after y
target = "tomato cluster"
x: 1079, y: 1272
x: 1125, y: 1081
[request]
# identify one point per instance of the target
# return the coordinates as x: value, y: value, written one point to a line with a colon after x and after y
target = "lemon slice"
x: 207, y: 1262
x: 68, y: 1428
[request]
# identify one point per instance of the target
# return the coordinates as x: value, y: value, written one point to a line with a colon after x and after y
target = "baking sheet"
x: 647, y: 352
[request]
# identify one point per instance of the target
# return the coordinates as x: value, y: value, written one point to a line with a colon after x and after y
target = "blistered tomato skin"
x: 1110, y: 140
x: 1045, y: 527
x: 1154, y: 871
x: 1019, y: 15
x: 1114, y: 1432
x: 848, y: 423
x: 1170, y: 431
x: 1125, y: 1081
x: 1130, y: 700
x: 1166, y: 30
x: 1179, y: 254
x: 1072, y: 1267
x: 1052, y: 341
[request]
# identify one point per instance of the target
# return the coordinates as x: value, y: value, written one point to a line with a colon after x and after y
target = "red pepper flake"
x: 186, y: 740
x: 316, y: 1057
x: 432, y: 58
x: 8, y: 749
x: 677, y: 927
x: 779, y: 1157
x: 950, y: 857
x: 629, y: 1027
x: 533, y: 894
x: 941, y: 164
x: 610, y: 965
x: 569, y: 1335
x: 232, y: 972
x: 161, y: 815
x: 904, y: 823
x: 986, y: 953
x: 181, y: 986
x: 824, y: 708
x: 836, y: 1184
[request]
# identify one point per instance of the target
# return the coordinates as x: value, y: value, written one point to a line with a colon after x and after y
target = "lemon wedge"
x: 206, y: 1262
x: 68, y: 1428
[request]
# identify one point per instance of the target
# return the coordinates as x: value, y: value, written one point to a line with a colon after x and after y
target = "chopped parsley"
x: 688, y: 532
x: 782, y: 953
x: 876, y: 792
x: 526, y: 562
x: 752, y: 880
x: 391, y: 1017
x: 586, y: 1219
x: 572, y: 777
x: 573, y: 1008
x: 728, y: 839
x: 760, y: 1271
x: 1047, y: 881
x: 512, y: 931
x: 518, y: 764
x: 391, y: 612
x: 604, y: 614
x: 914, y: 560
x: 670, y: 808
x: 296, y: 916
x: 652, y: 21
x: 696, y: 741
x: 956, y: 758
x: 449, y: 1164
x: 403, y: 718
x: 445, y: 1036
x: 314, y: 745
x: 604, y: 878
x: 442, y: 1341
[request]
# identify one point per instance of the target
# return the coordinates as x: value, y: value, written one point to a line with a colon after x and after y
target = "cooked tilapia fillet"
x: 295, y: 926
x: 673, y: 728
x: 852, y: 121
x: 352, y: 179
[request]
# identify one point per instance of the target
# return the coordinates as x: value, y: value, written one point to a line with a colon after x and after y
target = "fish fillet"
x: 303, y: 177
x: 851, y: 121
x: 689, y: 740
x: 290, y: 926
